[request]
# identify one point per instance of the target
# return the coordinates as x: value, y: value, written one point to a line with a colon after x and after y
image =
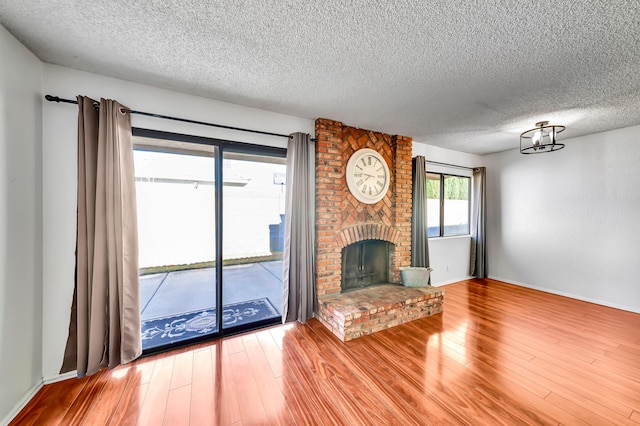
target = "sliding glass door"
x: 210, y: 228
x: 253, y: 238
x: 176, y: 197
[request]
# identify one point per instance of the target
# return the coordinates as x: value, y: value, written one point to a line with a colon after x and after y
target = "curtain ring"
x: 123, y: 111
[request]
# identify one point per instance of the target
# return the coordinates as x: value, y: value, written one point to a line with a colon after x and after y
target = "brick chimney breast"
x: 341, y: 219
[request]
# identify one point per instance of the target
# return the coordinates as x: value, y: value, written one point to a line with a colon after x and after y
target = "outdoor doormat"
x: 162, y: 331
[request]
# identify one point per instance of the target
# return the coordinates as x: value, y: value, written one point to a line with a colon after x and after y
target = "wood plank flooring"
x: 498, y: 355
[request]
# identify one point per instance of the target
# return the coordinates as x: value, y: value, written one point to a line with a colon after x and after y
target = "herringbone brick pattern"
x: 340, y: 217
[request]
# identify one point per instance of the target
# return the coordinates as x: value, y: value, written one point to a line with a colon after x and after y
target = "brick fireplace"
x: 342, y: 220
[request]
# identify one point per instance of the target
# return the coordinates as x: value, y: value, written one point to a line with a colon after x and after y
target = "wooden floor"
x: 499, y: 354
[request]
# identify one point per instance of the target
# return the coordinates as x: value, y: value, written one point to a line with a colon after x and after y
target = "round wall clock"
x: 367, y: 176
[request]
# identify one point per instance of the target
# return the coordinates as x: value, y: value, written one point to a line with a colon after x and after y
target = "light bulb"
x: 537, y: 136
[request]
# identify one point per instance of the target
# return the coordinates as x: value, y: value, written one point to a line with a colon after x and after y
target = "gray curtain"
x: 478, y: 261
x: 104, y: 330
x: 298, y: 257
x: 419, y: 234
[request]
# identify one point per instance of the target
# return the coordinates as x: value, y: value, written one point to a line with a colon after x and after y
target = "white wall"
x: 568, y: 222
x: 59, y: 171
x: 20, y: 223
x: 565, y: 222
x: 518, y: 193
x: 448, y: 256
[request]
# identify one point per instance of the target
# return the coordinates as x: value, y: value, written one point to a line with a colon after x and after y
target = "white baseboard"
x: 457, y: 280
x: 565, y: 294
x: 22, y: 403
x: 60, y: 377
x: 32, y: 392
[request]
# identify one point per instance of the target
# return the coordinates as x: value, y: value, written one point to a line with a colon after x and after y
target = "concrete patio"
x: 171, y: 293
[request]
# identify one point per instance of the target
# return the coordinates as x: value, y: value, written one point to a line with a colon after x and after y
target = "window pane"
x: 176, y: 207
x: 433, y: 204
x: 253, y: 214
x: 456, y: 205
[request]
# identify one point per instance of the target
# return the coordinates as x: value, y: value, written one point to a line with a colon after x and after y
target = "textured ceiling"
x: 465, y: 75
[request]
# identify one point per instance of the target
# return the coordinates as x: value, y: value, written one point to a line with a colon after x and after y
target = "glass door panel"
x: 254, y: 190
x: 176, y: 201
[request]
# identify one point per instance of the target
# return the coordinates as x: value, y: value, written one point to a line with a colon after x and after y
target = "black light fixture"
x: 541, y: 139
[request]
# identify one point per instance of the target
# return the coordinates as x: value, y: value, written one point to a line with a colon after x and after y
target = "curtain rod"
x: 450, y: 165
x: 184, y: 120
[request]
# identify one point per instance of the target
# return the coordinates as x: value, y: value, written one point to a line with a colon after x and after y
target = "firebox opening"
x: 364, y: 264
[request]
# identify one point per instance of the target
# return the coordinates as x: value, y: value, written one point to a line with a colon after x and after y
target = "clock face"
x: 367, y: 176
